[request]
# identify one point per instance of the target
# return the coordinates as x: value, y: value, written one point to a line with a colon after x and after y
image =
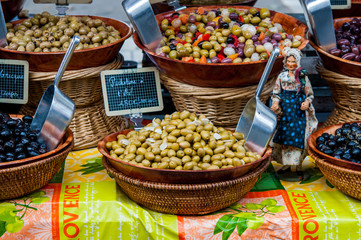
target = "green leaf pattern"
x: 249, y: 216
x: 13, y: 212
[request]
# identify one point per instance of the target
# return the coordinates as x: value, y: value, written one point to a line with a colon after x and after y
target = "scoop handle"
x: 3, y: 30
x: 276, y: 51
x: 64, y: 63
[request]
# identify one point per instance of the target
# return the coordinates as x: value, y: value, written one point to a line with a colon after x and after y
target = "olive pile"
x: 182, y: 142
x: 48, y: 33
x: 223, y: 36
x: 16, y: 139
x: 348, y: 38
x: 344, y: 144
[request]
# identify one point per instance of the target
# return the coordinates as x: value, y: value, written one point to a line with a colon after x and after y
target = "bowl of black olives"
x: 338, y: 144
x: 19, y: 145
x: 346, y: 57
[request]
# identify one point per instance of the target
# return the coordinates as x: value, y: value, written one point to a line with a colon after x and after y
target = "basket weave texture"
x: 19, y: 181
x: 90, y: 122
x: 186, y: 199
x: 223, y: 106
x: 346, y: 93
x: 346, y: 180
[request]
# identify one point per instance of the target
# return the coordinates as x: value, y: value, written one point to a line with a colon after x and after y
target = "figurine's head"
x: 292, y: 58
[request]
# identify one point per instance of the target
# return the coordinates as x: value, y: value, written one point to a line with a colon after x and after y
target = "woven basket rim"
x: 39, y: 162
x: 172, y: 186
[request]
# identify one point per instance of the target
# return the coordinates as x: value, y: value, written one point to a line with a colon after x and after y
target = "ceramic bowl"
x: 222, y: 74
x: 86, y: 58
x: 176, y: 176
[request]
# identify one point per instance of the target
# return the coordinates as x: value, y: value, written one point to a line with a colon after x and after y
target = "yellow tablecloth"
x: 84, y: 202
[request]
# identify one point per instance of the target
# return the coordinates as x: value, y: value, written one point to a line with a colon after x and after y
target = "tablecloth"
x: 83, y: 202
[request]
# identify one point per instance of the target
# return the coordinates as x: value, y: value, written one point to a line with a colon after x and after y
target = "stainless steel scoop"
x: 257, y: 121
x: 318, y: 14
x: 141, y: 15
x: 55, y: 110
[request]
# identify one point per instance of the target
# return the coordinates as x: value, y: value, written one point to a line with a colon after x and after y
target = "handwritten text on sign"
x: 14, y: 80
x: 128, y: 89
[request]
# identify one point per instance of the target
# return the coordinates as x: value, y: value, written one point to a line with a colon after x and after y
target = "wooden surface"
x: 222, y: 74
x: 92, y: 57
x: 176, y: 176
x: 339, y: 162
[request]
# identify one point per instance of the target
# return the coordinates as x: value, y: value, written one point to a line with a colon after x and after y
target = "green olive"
x: 207, y: 45
x: 253, y: 11
x: 255, y: 20
x: 247, y: 34
x: 264, y: 13
x: 97, y: 38
x: 249, y: 49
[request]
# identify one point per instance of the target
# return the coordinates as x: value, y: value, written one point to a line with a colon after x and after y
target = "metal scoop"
x: 141, y: 15
x: 55, y: 110
x: 318, y: 14
x: 257, y: 121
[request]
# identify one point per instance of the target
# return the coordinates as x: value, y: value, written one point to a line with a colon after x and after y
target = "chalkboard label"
x: 14, y: 81
x: 340, y: 4
x: 127, y: 91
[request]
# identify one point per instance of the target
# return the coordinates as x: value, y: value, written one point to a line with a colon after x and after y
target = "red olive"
x: 349, y: 56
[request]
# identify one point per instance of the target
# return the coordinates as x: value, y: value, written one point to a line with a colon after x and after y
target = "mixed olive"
x: 182, y: 141
x: 348, y: 38
x: 48, y: 33
x: 344, y: 144
x: 17, y: 141
x: 224, y: 35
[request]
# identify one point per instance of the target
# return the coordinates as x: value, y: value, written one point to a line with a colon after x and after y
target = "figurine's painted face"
x: 291, y: 63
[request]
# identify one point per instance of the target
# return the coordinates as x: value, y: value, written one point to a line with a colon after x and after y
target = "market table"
x: 83, y: 202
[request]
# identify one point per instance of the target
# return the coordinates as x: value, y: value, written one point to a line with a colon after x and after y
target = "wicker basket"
x: 90, y: 124
x: 346, y: 180
x: 82, y: 86
x: 345, y: 94
x: 19, y: 181
x: 186, y: 199
x: 223, y: 106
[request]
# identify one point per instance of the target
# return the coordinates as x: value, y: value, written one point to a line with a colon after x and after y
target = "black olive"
x: 18, y: 150
x: 2, y: 158
x: 345, y: 26
x: 30, y: 148
x: 200, y: 44
x: 32, y: 136
x: 5, y: 133
x: 319, y: 146
x: 224, y: 25
x: 42, y: 150
x: 24, y: 141
x: 11, y: 123
x: 325, y: 135
x: 328, y: 151
x: 172, y: 46
x: 33, y: 153
x: 338, y: 151
x: 218, y: 13
x: 320, y: 139
x: 337, y: 156
x: 356, y: 152
x: 1, y: 148
x: 20, y: 156
x: 332, y: 144
x: 9, y: 146
x: 345, y: 132
x: 9, y: 154
x: 332, y: 137
x: 43, y: 145
x: 175, y: 14
x: 27, y: 119
x: 23, y: 134
x: 258, y: 14
x: 340, y: 140
x: 346, y: 125
x: 351, y: 144
x: 338, y: 131
x: 34, y: 145
x: 230, y: 40
x: 346, y: 156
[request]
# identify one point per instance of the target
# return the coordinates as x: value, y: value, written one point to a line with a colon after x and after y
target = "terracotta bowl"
x: 92, y: 57
x: 65, y: 143
x: 175, y: 176
x: 317, y: 153
x: 337, y: 64
x: 222, y: 74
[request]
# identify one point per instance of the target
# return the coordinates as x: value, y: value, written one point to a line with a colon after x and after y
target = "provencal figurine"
x: 292, y: 101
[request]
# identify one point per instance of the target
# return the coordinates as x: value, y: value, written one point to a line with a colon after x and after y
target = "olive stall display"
x: 48, y: 33
x: 182, y: 141
x: 348, y: 37
x: 223, y: 35
x: 17, y: 141
x: 344, y: 144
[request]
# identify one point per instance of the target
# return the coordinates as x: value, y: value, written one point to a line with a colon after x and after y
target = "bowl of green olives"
x: 338, y: 144
x: 43, y: 39
x: 222, y: 46
x: 181, y: 148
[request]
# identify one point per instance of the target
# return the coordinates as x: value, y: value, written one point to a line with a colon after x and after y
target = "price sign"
x: 131, y: 90
x: 14, y: 81
x: 340, y: 4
